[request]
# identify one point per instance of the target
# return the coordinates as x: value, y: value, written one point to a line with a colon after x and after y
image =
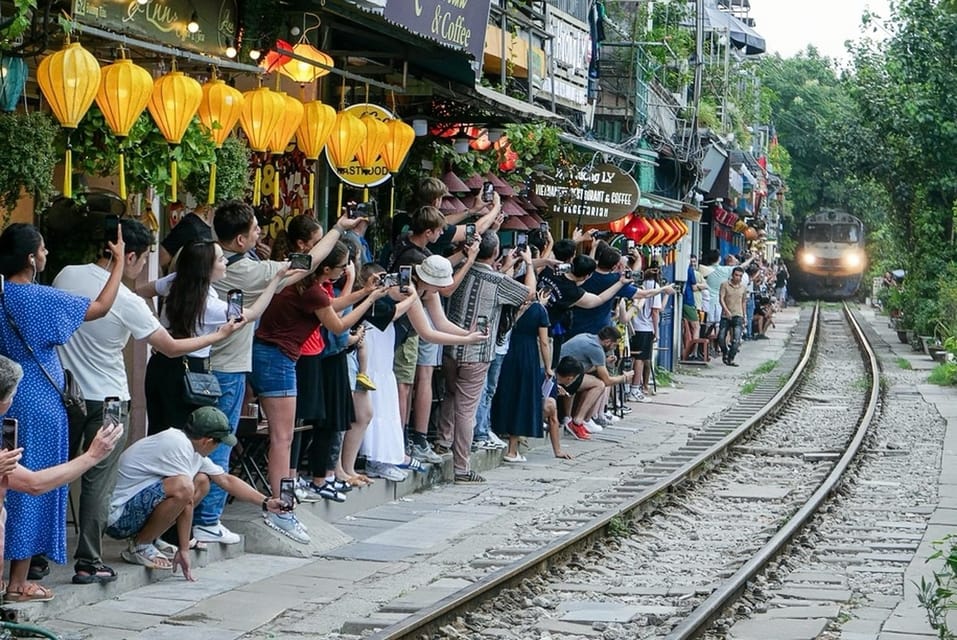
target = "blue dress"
x: 47, y: 317
x: 517, y: 403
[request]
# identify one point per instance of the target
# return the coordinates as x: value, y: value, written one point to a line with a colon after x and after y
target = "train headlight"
x: 852, y: 259
x: 808, y: 258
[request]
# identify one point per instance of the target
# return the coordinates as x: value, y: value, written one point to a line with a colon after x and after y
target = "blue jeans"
x: 749, y: 312
x: 233, y: 385
x: 483, y: 420
x: 732, y: 325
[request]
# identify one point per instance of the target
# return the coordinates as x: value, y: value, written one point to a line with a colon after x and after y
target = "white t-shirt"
x: 214, y: 316
x: 153, y: 459
x: 642, y: 321
x: 95, y: 352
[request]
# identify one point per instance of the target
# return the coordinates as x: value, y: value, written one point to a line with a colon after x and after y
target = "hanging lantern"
x: 275, y: 60
x: 650, y: 231
x: 317, y: 122
x: 637, y: 228
x: 173, y: 103
x: 125, y: 88
x: 261, y: 112
x: 304, y: 72
x: 69, y: 80
x: 282, y: 135
x: 376, y: 134
x: 397, y: 145
x: 618, y: 226
x: 13, y: 78
x: 347, y: 134
x: 219, y: 111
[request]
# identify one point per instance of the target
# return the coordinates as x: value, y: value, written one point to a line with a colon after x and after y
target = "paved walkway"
x: 405, y: 552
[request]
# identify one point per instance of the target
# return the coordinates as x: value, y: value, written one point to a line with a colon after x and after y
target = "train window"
x: 847, y: 233
x: 817, y: 233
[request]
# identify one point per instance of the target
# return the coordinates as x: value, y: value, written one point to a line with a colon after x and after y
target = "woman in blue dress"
x: 46, y: 317
x: 517, y: 403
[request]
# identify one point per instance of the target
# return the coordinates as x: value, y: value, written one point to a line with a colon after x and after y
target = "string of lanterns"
x: 649, y: 231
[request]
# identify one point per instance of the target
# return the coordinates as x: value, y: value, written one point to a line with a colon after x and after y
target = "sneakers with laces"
x: 592, y: 427
x: 288, y: 525
x: 215, y: 533
x: 578, y: 430
x: 328, y: 491
x: 470, y: 477
x: 364, y: 382
x: 496, y: 441
x: 611, y: 418
x: 425, y: 454
x: 635, y: 396
x: 383, y: 470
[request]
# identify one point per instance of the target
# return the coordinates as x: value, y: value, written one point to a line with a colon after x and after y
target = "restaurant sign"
x: 456, y: 23
x: 353, y: 174
x: 598, y: 194
x: 165, y: 21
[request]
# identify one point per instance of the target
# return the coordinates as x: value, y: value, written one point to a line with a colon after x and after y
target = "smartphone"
x: 630, y: 245
x: 629, y: 274
x: 627, y: 365
x: 481, y: 324
x: 543, y: 227
x: 110, y: 224
x: 112, y: 412
x: 487, y: 190
x: 405, y: 277
x: 287, y: 494
x: 521, y: 240
x: 300, y: 261
x: 10, y: 433
x: 234, y: 305
x: 469, y: 233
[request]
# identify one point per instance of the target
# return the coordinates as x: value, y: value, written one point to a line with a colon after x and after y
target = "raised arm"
x: 101, y: 306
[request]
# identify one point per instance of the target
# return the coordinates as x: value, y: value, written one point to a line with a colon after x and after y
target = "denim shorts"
x: 274, y: 373
x: 353, y: 361
x: 137, y: 511
x: 430, y: 355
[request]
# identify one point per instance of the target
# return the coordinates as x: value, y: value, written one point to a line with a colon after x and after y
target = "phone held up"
x: 287, y: 494
x: 110, y: 225
x: 521, y: 241
x: 10, y: 433
x: 469, y: 233
x: 487, y: 190
x: 300, y: 261
x: 405, y: 278
x: 481, y: 324
x: 234, y: 305
x: 112, y: 412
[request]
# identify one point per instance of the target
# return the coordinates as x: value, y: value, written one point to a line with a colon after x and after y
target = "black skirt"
x: 337, y: 393
x: 310, y: 404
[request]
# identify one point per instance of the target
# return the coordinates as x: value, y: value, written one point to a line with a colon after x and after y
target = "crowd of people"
x: 335, y: 348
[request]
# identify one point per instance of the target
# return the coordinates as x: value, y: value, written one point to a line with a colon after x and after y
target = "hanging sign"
x: 165, y: 21
x: 455, y: 23
x: 353, y: 174
x: 597, y: 194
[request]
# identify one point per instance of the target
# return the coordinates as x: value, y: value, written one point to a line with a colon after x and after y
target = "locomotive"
x: 830, y: 258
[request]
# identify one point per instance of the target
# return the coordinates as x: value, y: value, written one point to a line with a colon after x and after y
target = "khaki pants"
x: 464, y: 384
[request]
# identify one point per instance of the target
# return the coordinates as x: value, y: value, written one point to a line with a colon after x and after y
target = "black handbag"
x: 201, y: 389
x: 71, y: 395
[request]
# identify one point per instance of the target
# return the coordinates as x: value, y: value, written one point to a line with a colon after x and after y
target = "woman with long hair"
x: 191, y: 309
x: 34, y: 320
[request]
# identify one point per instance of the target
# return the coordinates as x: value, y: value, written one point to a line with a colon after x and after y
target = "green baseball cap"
x: 210, y: 422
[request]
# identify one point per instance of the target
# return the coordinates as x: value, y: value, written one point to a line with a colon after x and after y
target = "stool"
x: 690, y: 343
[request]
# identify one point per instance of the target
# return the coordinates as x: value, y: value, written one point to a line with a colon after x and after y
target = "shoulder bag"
x: 201, y: 389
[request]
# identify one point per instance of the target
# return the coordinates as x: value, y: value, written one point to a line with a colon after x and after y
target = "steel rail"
x: 705, y: 613
x: 427, y: 619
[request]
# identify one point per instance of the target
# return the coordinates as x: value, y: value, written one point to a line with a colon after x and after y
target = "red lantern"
x: 509, y: 161
x: 619, y: 225
x: 275, y: 60
x: 637, y: 228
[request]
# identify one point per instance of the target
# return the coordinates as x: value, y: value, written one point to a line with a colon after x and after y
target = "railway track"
x: 630, y: 542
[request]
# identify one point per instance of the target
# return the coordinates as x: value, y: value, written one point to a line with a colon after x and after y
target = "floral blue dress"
x: 47, y: 317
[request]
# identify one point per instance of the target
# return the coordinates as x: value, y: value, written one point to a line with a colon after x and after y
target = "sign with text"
x: 456, y: 23
x: 599, y: 194
x: 353, y: 174
x: 165, y: 21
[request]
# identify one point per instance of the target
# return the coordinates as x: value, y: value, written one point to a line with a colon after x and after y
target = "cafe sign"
x: 353, y: 174
x: 595, y: 195
x: 165, y: 21
x: 455, y: 23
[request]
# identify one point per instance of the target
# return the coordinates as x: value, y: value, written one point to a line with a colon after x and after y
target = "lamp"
x: 13, y: 78
x: 193, y: 25
x: 255, y: 54
x: 142, y: 2
x: 461, y: 145
x: 420, y: 126
x: 317, y: 122
x: 494, y: 133
x: 69, y: 80
x: 230, y: 49
x: 282, y: 135
x: 125, y: 88
x: 347, y: 134
x: 376, y: 134
x: 260, y: 115
x: 219, y: 111
x: 395, y: 150
x: 173, y: 103
x: 303, y: 72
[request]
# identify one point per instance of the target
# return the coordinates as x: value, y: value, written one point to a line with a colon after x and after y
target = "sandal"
x: 90, y: 573
x: 516, y: 458
x: 30, y: 592
x: 39, y: 567
x: 148, y: 556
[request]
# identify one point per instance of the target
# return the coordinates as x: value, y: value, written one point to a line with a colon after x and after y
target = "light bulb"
x: 193, y: 25
x: 230, y: 49
x: 142, y: 1
x: 254, y: 54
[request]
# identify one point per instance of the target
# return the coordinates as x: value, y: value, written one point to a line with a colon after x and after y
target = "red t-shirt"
x: 290, y: 319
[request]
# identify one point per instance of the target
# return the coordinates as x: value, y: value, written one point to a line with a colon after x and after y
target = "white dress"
x: 383, y: 440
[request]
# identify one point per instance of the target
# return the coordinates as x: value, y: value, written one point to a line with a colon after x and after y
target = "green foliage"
x: 938, y: 596
x: 904, y: 363
x: 27, y: 158
x: 944, y: 374
x: 232, y: 173
x: 765, y: 367
x: 19, y: 22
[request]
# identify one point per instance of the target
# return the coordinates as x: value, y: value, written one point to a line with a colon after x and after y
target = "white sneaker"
x: 495, y: 440
x: 611, y: 417
x: 288, y: 525
x: 375, y: 469
x: 215, y: 533
x: 592, y: 427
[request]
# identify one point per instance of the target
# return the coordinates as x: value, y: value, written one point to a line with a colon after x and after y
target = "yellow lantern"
x: 282, y: 135
x: 125, y: 89
x: 397, y: 146
x: 347, y: 135
x: 317, y: 122
x: 262, y: 110
x: 376, y: 134
x: 304, y: 72
x: 173, y: 103
x: 69, y: 80
x: 219, y: 111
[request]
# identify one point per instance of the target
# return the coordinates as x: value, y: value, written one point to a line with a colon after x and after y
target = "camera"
x: 390, y: 280
x: 629, y: 274
x: 563, y: 268
x: 234, y: 304
x: 362, y: 209
x: 300, y: 261
x: 601, y: 235
x: 487, y: 190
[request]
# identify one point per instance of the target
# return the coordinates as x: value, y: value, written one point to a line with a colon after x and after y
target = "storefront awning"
x: 601, y: 147
x: 741, y: 35
x: 660, y: 204
x: 526, y: 109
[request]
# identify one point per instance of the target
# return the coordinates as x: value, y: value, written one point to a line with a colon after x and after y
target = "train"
x: 830, y: 258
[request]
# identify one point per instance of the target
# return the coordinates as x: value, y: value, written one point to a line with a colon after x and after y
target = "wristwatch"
x: 265, y: 504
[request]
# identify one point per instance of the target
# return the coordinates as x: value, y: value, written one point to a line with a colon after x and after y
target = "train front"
x: 831, y: 257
